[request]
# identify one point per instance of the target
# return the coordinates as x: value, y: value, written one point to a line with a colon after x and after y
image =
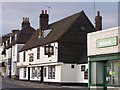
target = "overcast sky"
x: 13, y: 12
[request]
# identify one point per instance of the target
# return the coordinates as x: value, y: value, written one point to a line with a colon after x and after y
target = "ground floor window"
x: 51, y: 72
x: 44, y: 72
x: 112, y: 69
x: 33, y: 72
x: 24, y: 74
x: 36, y: 72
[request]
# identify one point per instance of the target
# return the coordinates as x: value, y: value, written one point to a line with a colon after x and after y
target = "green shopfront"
x: 104, y: 60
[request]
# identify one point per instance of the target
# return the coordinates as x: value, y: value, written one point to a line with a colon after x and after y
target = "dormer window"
x: 46, y: 32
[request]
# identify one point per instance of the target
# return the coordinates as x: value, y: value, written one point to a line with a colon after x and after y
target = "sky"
x: 13, y: 12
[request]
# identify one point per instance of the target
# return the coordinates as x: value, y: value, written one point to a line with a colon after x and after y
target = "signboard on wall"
x: 107, y: 42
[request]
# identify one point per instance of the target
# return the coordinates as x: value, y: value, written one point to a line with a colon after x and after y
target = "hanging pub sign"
x: 107, y: 42
x: 31, y: 57
x: 49, y: 50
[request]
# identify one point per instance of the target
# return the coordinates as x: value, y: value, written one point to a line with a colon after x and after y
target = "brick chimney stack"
x: 44, y: 18
x: 25, y: 22
x: 98, y: 22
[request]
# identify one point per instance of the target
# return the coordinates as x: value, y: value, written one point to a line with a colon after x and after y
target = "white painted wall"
x: 80, y: 74
x: 44, y: 58
x: 65, y: 74
x: 73, y: 75
x: 92, y: 37
x: 68, y: 74
x: 57, y: 74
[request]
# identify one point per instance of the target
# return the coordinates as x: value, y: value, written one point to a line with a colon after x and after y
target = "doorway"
x: 42, y: 78
x: 28, y: 73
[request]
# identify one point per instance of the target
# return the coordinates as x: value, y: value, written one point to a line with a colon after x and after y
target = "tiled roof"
x: 22, y: 36
x: 59, y: 28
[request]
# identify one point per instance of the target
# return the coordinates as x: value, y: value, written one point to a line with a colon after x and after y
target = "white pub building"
x: 57, y: 53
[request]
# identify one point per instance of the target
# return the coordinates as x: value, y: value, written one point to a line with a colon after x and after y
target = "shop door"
x: 105, y: 75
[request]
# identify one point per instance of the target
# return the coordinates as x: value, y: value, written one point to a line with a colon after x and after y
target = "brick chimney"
x: 98, y: 22
x: 25, y: 22
x: 44, y: 18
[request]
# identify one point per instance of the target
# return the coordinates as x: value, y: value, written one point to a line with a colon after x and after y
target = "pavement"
x: 37, y: 86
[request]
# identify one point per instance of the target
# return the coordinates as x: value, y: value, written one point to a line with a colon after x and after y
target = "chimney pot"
x: 42, y: 12
x: 98, y: 13
x: 45, y: 11
x: 25, y: 22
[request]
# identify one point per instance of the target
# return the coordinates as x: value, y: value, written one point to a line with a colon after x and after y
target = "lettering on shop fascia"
x: 107, y: 42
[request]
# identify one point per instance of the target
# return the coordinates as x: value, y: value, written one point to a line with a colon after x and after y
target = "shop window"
x: 112, y: 70
x: 51, y: 72
x: 24, y: 72
x: 72, y: 66
x: 38, y: 53
x: 82, y: 67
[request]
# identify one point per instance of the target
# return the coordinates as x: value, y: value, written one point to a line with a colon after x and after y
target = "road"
x: 23, y: 85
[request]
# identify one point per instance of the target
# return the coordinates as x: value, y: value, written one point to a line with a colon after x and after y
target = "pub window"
x: 24, y: 57
x: 38, y: 53
x: 44, y: 71
x: 51, y: 72
x: 38, y: 72
x: 82, y: 67
x: 24, y: 72
x: 33, y: 72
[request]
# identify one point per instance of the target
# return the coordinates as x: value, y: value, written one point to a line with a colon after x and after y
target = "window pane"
x: 24, y: 73
x: 83, y: 68
x: 112, y: 72
x: 53, y: 72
